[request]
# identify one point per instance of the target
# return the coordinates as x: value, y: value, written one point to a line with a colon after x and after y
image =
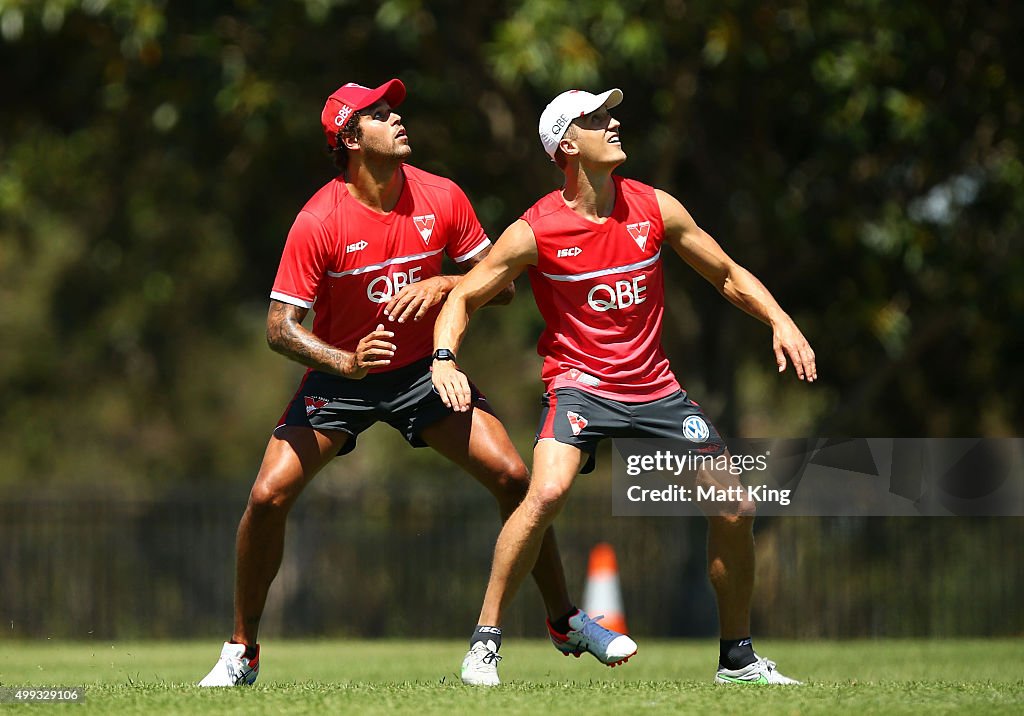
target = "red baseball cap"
x: 351, y: 98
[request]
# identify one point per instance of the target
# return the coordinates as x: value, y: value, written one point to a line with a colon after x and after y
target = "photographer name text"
x: 709, y: 493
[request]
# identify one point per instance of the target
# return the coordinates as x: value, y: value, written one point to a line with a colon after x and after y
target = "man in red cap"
x: 365, y: 253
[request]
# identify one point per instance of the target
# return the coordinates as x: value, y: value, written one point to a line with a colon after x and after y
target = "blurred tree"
x: 863, y: 159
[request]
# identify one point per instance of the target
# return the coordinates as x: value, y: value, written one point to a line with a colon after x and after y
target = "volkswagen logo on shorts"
x: 695, y: 429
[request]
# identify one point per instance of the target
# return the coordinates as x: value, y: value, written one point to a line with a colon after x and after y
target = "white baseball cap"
x: 566, y: 107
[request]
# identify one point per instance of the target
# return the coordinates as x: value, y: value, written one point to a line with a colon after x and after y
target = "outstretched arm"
x: 514, y: 251
x: 698, y: 249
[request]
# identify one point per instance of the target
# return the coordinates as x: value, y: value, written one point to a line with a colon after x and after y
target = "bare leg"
x: 477, y: 442
x: 730, y: 556
x: 555, y: 466
x: 731, y: 570
x: 294, y: 455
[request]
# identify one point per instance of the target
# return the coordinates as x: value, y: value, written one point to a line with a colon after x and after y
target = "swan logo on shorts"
x: 576, y: 422
x: 314, y: 404
x: 695, y: 429
x: 424, y: 225
x: 639, y: 231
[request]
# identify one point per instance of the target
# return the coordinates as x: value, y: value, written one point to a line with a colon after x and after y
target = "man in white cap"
x: 593, y: 251
x: 365, y: 254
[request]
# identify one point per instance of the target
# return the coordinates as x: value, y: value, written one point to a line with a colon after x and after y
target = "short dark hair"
x: 560, y: 158
x: 339, y: 152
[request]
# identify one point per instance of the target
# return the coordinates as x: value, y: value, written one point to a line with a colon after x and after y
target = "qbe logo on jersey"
x: 383, y: 288
x: 622, y: 294
x: 695, y: 429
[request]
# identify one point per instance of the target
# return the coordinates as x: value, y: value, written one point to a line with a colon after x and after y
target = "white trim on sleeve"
x: 467, y: 256
x: 285, y: 298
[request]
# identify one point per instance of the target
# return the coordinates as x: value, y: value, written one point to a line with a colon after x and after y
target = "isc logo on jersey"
x: 622, y: 294
x: 383, y: 288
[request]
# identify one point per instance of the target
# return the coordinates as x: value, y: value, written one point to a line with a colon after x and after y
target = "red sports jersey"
x: 346, y: 261
x: 601, y: 291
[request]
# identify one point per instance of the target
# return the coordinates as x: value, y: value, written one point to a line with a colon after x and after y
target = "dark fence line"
x: 400, y: 563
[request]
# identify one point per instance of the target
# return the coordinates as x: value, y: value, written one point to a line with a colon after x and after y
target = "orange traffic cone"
x: 602, y: 594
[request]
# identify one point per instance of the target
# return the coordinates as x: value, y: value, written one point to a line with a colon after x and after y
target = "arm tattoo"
x: 285, y: 335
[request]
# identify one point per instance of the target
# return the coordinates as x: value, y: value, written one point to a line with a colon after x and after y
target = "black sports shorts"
x: 576, y: 417
x: 403, y: 398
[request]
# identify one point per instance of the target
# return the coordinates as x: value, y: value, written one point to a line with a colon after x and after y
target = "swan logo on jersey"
x: 576, y: 422
x: 424, y: 225
x: 585, y: 378
x: 695, y: 429
x: 639, y: 232
x: 314, y: 404
x: 569, y: 252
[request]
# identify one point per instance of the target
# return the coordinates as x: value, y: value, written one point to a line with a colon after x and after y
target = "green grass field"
x: 377, y: 677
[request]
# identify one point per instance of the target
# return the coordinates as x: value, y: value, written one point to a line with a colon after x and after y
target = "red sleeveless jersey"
x: 601, y: 292
x: 346, y: 261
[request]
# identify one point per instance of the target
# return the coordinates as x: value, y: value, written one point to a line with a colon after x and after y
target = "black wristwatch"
x: 444, y: 354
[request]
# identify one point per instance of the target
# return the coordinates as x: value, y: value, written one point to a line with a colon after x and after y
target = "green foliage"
x: 862, y: 158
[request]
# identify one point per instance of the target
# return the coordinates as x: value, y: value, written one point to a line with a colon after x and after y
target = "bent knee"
x: 548, y: 496
x: 746, y: 509
x: 268, y: 496
x: 512, y: 481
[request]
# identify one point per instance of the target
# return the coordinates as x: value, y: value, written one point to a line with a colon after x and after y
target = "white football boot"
x: 480, y: 667
x: 761, y: 671
x: 585, y: 634
x: 233, y: 668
